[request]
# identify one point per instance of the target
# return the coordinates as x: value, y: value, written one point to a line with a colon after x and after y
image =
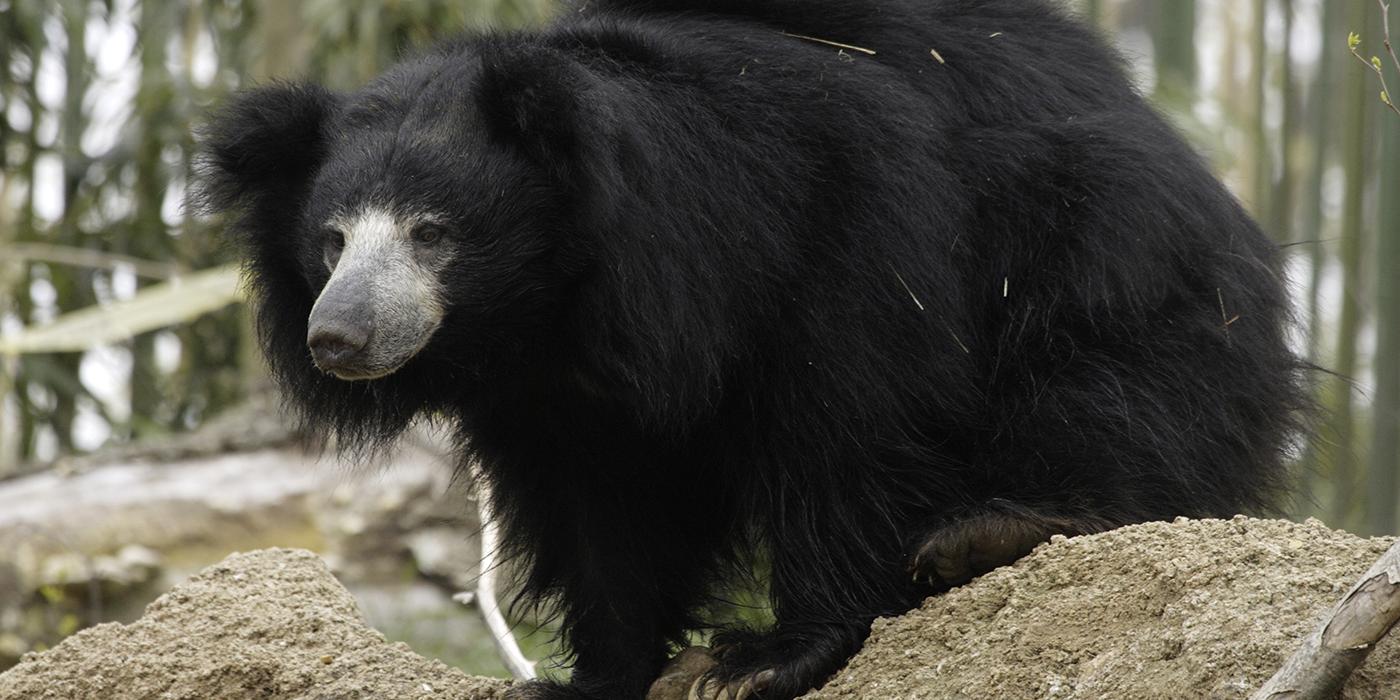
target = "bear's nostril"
x: 335, y: 347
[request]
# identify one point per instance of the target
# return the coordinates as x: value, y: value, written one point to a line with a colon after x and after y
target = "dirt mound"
x: 268, y: 625
x: 1190, y: 609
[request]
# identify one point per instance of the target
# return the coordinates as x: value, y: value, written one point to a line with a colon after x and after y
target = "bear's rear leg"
x: 996, y: 534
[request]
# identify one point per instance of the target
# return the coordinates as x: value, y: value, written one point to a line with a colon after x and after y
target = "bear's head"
x: 412, y: 237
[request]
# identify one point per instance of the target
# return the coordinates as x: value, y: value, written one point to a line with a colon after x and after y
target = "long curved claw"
x: 681, y: 673
x: 744, y: 688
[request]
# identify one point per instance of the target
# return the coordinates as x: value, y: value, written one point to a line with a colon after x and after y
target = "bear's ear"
x: 538, y: 99
x: 266, y: 140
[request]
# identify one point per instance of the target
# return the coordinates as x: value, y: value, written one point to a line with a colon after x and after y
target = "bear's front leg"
x: 833, y: 573
x: 624, y: 564
x: 602, y: 671
x: 618, y: 620
x: 618, y: 639
x: 779, y: 664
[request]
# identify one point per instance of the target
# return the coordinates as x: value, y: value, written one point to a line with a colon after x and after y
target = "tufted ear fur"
x: 265, y: 141
x: 540, y: 100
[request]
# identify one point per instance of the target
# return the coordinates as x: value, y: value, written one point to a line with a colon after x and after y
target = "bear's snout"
x: 339, y: 329
x: 334, y: 347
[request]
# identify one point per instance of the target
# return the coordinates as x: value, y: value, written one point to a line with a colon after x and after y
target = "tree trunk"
x: 1281, y: 211
x: 1381, y: 483
x: 146, y: 234
x: 73, y: 285
x: 1174, y: 52
x: 1261, y: 177
x: 1340, y: 455
x: 1322, y: 115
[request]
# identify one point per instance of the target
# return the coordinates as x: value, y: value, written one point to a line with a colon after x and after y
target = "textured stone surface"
x: 268, y: 625
x: 1191, y: 609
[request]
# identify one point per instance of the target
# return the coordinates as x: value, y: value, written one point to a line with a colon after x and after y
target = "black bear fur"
x: 723, y: 286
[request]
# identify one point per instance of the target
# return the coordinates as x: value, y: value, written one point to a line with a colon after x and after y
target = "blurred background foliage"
x: 99, y: 101
x: 108, y: 334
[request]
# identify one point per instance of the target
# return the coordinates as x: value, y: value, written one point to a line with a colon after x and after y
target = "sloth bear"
x: 887, y: 291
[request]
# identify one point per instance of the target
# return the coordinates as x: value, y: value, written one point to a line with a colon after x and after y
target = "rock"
x: 1188, y: 609
x: 74, y: 574
x: 444, y: 554
x: 81, y: 548
x: 268, y: 625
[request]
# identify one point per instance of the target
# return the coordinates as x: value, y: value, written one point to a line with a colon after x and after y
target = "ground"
x: 1195, y: 608
x: 268, y: 625
x: 1191, y: 609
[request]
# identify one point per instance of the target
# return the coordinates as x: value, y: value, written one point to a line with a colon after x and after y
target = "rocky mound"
x: 268, y: 625
x: 1191, y: 609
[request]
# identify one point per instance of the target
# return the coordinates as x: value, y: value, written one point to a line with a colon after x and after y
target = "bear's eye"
x: 427, y: 234
x: 335, y: 240
x: 333, y: 246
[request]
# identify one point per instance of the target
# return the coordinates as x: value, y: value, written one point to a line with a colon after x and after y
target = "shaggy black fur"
x: 722, y: 287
